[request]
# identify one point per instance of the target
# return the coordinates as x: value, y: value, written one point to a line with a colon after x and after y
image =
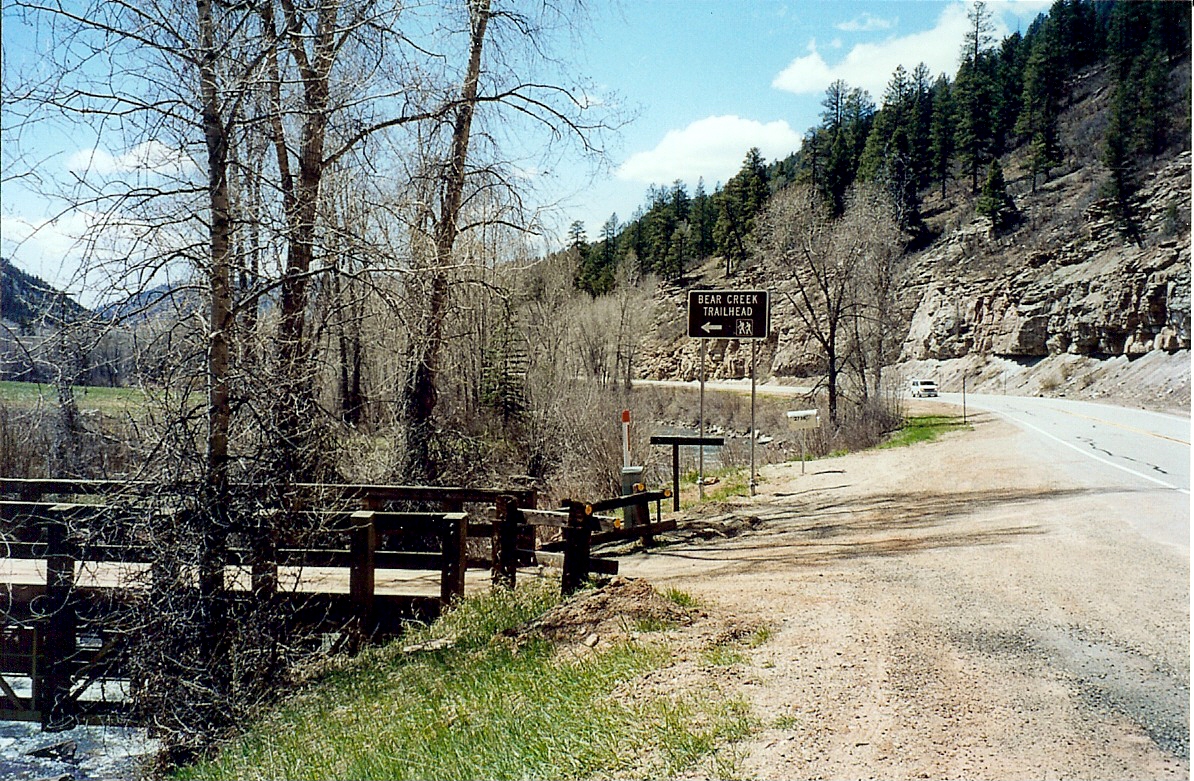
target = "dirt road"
x: 960, y: 609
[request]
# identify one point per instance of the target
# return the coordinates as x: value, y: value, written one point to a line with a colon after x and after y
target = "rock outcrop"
x: 1079, y: 289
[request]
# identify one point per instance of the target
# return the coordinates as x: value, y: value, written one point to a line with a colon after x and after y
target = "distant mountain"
x: 26, y: 299
x: 164, y: 300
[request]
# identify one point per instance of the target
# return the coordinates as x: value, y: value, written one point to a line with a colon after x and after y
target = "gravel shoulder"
x: 961, y: 608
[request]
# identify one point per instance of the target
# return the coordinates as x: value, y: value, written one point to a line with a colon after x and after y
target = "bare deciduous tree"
x: 839, y: 273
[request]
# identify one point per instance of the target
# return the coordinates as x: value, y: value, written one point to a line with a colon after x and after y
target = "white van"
x: 922, y: 388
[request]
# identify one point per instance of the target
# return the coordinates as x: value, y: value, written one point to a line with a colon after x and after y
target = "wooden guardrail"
x: 44, y: 622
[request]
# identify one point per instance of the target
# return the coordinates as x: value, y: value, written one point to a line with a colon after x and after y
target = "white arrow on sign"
x: 707, y: 327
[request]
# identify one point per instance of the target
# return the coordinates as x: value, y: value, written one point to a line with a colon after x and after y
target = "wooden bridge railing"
x: 41, y: 634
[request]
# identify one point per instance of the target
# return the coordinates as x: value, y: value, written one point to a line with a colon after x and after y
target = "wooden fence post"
x: 505, y: 542
x: 454, y: 531
x: 363, y: 566
x: 577, y: 537
x: 52, y: 696
x: 264, y: 572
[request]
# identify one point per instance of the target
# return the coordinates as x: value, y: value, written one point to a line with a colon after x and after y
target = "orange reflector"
x: 588, y: 509
x: 667, y: 492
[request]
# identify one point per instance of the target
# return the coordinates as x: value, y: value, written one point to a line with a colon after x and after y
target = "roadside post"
x: 678, y: 441
x: 701, y: 430
x: 728, y: 314
x: 632, y: 478
x: 625, y: 439
x: 803, y: 420
x: 752, y: 419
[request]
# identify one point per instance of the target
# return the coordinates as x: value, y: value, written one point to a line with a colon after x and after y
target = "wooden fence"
x: 54, y: 631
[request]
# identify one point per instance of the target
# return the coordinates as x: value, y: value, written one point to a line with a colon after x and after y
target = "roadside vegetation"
x: 106, y: 400
x: 474, y: 696
x: 924, y: 428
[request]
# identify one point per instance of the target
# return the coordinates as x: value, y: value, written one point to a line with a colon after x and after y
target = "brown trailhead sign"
x: 729, y: 314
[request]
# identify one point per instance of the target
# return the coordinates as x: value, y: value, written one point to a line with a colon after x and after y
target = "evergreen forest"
x: 933, y: 132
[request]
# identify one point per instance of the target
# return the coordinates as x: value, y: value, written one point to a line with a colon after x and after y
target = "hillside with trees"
x: 1062, y: 147
x: 937, y: 131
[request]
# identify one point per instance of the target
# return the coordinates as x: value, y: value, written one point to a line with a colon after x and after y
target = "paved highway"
x: 1103, y: 445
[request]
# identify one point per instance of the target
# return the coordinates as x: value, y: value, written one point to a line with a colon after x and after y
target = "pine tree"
x: 738, y: 204
x: 1009, y: 87
x: 1040, y: 104
x: 1117, y: 156
x: 703, y: 216
x: 895, y: 153
x: 994, y: 202
x: 847, y: 118
x: 941, y: 132
x: 974, y: 91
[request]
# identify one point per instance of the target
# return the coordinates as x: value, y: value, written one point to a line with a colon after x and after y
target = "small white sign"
x: 804, y: 419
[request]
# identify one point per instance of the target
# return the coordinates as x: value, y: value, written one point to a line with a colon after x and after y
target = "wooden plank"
x: 412, y: 493
x: 453, y: 531
x: 361, y: 578
x: 505, y: 542
x: 554, y: 519
x: 684, y: 439
x: 18, y: 703
x: 617, y: 502
x: 631, y: 532
x: 555, y: 560
x: 386, y: 493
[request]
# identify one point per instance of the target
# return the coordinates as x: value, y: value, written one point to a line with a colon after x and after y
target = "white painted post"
x: 625, y: 439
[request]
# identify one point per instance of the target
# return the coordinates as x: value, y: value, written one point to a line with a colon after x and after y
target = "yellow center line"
x: 1124, y: 427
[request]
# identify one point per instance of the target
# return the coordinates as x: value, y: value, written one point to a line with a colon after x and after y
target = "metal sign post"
x: 701, y: 450
x: 752, y: 419
x: 729, y: 314
x: 803, y: 420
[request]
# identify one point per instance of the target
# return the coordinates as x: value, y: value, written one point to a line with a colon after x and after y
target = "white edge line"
x: 1101, y: 460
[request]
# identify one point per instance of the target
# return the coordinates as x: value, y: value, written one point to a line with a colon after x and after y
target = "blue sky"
x: 705, y: 81
x: 712, y: 79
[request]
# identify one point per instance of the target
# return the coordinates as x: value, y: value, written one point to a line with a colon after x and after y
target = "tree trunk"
x: 301, y: 197
x: 213, y: 511
x: 419, y: 392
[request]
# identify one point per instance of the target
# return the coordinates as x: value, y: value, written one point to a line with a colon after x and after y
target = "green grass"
x: 486, y: 708
x: 924, y: 428
x: 109, y: 401
x: 730, y: 482
x: 681, y: 598
x: 724, y: 656
x: 759, y: 637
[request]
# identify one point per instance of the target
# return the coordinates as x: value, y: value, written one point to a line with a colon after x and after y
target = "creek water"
x: 85, y: 753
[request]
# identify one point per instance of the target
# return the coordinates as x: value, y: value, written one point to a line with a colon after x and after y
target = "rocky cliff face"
x: 1064, y: 282
x: 1060, y: 287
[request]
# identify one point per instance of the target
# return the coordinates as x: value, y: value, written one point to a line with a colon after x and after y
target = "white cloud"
x: 147, y: 157
x: 713, y: 147
x: 865, y: 23
x: 870, y: 65
x: 90, y: 255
